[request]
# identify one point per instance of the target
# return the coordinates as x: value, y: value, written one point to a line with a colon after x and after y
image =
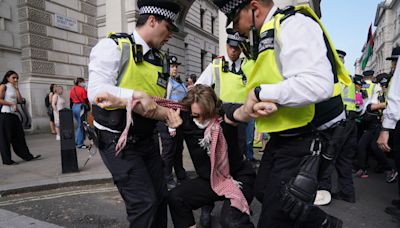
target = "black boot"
x: 205, y: 217
x: 332, y: 222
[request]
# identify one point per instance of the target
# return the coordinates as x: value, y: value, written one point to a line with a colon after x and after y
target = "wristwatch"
x: 257, y: 91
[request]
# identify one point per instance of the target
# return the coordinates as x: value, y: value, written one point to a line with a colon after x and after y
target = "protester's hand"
x: 189, y: 87
x: 264, y: 108
x: 107, y: 100
x: 383, y: 141
x: 174, y: 119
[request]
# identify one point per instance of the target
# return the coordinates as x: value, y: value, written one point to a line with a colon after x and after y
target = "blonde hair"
x: 206, y: 98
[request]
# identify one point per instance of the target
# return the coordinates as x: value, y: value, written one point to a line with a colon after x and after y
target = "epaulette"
x: 115, y: 36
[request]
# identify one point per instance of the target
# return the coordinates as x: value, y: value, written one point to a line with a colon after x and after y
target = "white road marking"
x: 56, y: 195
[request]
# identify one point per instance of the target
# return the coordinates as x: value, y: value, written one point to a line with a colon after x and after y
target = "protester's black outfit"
x: 195, y: 193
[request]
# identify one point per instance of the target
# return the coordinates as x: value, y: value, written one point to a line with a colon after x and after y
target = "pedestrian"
x: 223, y: 175
x: 172, y: 139
x: 58, y: 103
x: 49, y: 109
x: 79, y: 103
x: 11, y: 131
x: 300, y: 83
x: 391, y: 124
x: 137, y: 170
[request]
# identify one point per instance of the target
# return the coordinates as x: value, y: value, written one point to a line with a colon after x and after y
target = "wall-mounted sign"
x: 64, y: 22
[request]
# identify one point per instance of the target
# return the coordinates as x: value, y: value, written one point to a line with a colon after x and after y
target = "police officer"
x: 391, y: 124
x: 227, y: 75
x: 125, y: 66
x: 298, y: 81
x: 372, y: 112
x: 172, y: 139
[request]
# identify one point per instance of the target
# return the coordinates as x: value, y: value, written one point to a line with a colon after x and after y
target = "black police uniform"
x: 195, y: 193
x: 138, y: 170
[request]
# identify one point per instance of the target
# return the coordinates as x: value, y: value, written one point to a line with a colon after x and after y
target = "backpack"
x: 47, y: 100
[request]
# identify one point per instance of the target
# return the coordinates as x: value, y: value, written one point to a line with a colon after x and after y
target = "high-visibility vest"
x: 267, y: 71
x: 231, y: 87
x: 349, y: 97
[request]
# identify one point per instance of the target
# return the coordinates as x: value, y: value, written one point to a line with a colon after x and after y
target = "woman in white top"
x: 11, y: 131
x: 58, y: 103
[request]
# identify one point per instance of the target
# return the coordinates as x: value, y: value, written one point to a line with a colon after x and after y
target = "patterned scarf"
x: 222, y: 182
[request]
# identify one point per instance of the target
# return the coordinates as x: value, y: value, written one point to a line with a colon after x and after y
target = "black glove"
x: 298, y: 195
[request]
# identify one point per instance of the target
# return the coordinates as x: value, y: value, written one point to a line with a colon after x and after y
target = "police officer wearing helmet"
x: 123, y: 66
x: 293, y: 72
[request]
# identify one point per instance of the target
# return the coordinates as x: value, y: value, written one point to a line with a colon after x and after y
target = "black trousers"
x: 343, y: 164
x: 395, y: 138
x: 279, y: 164
x: 172, y: 152
x: 368, y: 141
x: 138, y: 174
x: 195, y: 193
x: 11, y: 132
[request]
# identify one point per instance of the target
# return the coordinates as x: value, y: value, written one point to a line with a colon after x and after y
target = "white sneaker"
x: 57, y: 137
x: 322, y: 198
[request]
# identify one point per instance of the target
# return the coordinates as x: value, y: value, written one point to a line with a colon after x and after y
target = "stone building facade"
x: 46, y: 41
x: 386, y: 36
x: 194, y: 45
x: 49, y: 41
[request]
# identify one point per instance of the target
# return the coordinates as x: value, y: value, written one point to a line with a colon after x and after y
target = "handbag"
x: 86, y: 107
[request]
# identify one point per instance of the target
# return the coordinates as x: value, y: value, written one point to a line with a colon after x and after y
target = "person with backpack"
x: 79, y: 104
x: 47, y: 102
x: 11, y: 131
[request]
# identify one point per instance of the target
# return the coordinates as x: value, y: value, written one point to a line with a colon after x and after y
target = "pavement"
x: 46, y: 173
x: 373, y: 195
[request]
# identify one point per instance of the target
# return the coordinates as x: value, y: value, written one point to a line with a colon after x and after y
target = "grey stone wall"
x: 52, y: 53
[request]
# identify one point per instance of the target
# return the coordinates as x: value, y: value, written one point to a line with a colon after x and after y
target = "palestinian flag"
x: 370, y: 47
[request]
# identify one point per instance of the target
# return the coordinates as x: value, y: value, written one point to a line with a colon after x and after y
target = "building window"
x: 202, y: 18
x: 203, y: 60
x: 212, y: 25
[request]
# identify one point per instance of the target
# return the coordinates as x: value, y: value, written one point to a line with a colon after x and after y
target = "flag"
x: 370, y: 47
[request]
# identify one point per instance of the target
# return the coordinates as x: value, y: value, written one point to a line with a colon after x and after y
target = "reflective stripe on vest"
x: 229, y: 87
x: 267, y: 63
x: 349, y: 97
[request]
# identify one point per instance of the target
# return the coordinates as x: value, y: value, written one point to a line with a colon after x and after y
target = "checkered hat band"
x: 235, y: 37
x: 158, y: 11
x: 231, y: 5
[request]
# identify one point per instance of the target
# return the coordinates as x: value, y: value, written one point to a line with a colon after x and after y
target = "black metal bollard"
x: 69, y: 161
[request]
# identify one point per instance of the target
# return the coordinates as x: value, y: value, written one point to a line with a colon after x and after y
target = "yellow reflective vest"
x: 267, y: 71
x: 231, y: 87
x: 142, y: 76
x: 349, y: 97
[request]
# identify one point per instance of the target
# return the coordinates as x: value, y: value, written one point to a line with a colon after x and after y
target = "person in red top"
x: 78, y: 101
